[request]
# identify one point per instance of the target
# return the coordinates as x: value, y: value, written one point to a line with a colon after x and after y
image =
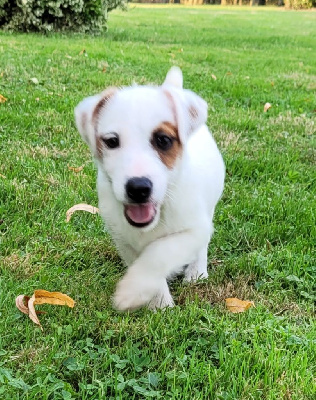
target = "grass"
x: 262, y: 249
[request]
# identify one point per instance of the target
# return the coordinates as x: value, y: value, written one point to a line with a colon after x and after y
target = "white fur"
x: 185, y: 196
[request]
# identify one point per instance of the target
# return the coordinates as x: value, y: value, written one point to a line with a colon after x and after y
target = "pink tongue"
x: 140, y: 213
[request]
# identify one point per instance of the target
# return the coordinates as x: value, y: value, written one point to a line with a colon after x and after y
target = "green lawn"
x: 262, y: 248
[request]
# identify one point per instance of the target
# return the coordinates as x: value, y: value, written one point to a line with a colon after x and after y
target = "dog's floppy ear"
x: 87, y: 113
x: 190, y: 110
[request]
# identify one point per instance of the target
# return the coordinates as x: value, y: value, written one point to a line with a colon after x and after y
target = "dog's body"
x: 160, y: 176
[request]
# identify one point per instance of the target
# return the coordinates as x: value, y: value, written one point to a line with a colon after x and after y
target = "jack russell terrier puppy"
x: 160, y: 175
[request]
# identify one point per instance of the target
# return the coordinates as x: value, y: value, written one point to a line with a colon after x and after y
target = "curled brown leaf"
x: 21, y: 303
x: 266, y: 107
x: 32, y: 312
x: 81, y: 207
x: 75, y: 169
x: 27, y: 304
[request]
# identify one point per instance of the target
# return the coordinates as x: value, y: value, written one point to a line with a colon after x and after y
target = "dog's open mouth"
x: 140, y: 215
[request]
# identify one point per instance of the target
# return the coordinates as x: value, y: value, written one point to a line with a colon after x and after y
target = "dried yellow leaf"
x: 2, y: 176
x: 21, y: 303
x: 237, y: 306
x: 81, y: 207
x: 55, y: 298
x: 32, y: 312
x: 75, y: 169
x: 213, y: 77
x: 27, y: 304
x: 266, y: 107
x: 3, y: 99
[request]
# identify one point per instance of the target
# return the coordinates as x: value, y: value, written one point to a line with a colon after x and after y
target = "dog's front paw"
x: 162, y: 300
x: 194, y: 272
x: 132, y: 293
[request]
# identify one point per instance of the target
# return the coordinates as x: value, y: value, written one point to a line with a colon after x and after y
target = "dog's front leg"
x: 145, y: 280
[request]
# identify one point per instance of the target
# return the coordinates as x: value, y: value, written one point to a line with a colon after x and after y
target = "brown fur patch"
x: 107, y: 94
x: 98, y: 108
x: 169, y: 157
x: 99, y: 146
x: 193, y: 112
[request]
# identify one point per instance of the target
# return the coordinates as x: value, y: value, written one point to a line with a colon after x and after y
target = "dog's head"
x: 138, y: 135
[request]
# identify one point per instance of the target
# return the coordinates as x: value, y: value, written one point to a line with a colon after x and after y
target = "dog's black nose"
x: 139, y: 189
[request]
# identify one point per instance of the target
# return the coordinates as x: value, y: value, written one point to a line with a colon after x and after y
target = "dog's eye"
x: 162, y: 141
x: 111, y: 141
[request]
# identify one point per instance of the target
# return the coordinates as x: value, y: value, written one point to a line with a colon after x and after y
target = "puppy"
x: 160, y: 175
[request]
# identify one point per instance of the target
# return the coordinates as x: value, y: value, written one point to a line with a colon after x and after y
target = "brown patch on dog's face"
x: 165, y: 140
x: 99, y: 146
x: 95, y: 115
x: 107, y: 94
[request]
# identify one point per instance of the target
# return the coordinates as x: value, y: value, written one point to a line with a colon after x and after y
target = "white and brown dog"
x: 160, y: 175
